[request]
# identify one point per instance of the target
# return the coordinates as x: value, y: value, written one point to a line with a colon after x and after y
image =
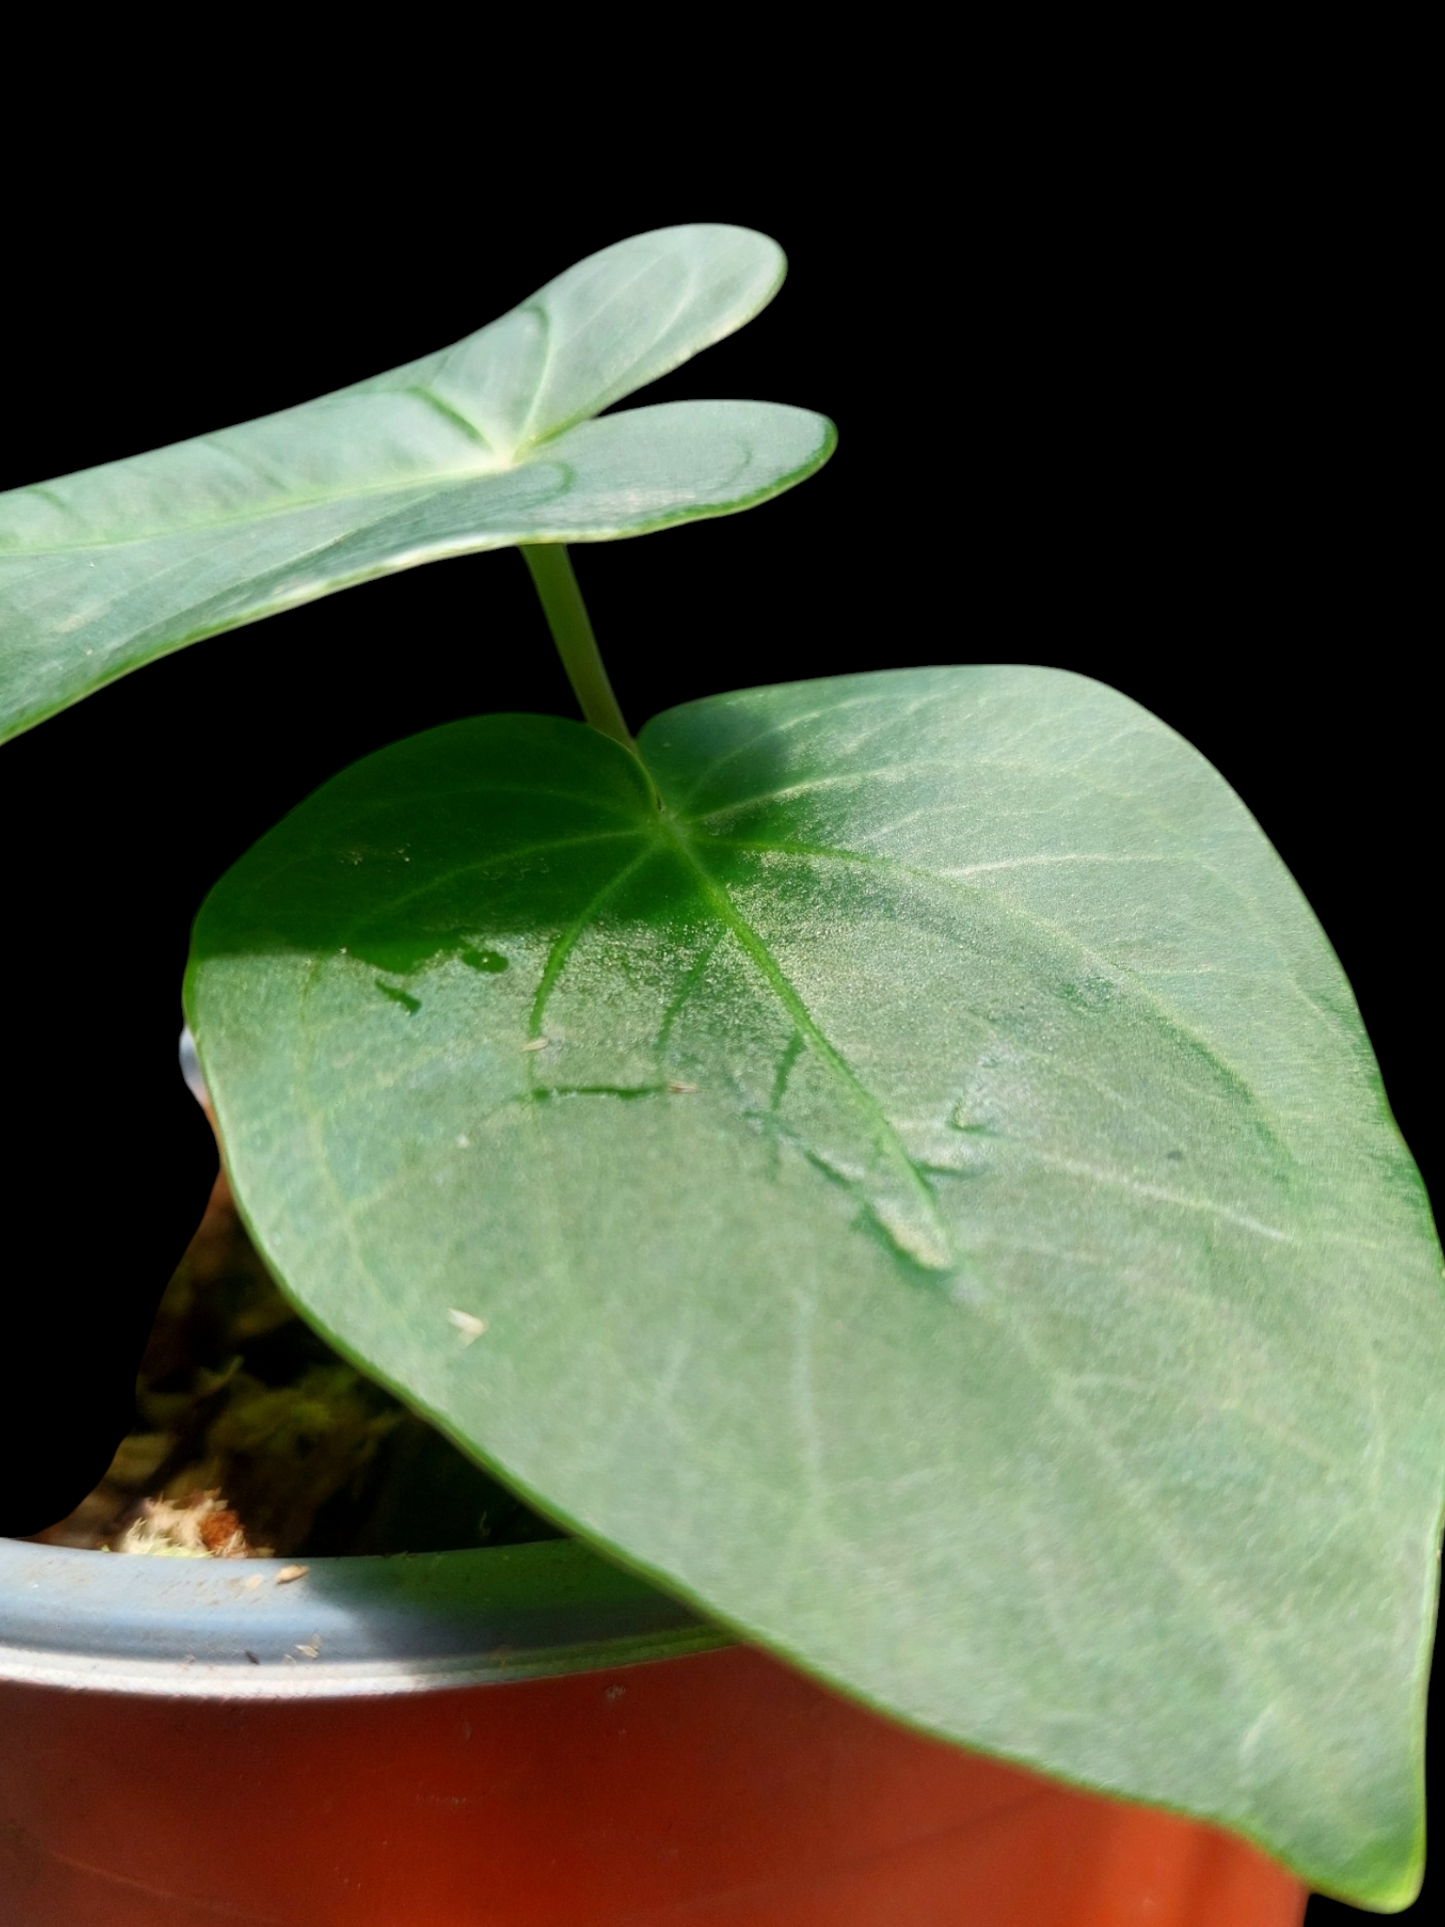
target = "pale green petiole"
x: 571, y: 628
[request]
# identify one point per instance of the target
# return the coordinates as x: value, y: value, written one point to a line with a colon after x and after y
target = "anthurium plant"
x: 893, y: 1159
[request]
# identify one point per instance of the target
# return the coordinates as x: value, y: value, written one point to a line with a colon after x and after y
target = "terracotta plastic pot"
x: 512, y: 1738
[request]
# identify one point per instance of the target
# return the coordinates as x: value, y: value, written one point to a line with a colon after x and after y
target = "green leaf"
x: 929, y: 1198
x: 483, y: 445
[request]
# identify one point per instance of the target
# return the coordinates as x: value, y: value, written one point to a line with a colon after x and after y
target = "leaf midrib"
x: 825, y: 1052
x: 432, y: 485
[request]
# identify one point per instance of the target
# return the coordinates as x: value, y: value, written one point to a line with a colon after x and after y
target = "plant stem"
x: 571, y: 627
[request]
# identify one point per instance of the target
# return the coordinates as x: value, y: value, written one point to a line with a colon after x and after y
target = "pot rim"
x: 207, y: 1628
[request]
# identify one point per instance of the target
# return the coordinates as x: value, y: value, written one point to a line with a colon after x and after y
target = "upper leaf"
x: 929, y: 1201
x: 485, y: 444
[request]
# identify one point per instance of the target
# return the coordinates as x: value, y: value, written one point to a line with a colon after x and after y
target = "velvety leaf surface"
x: 924, y: 1194
x: 485, y: 444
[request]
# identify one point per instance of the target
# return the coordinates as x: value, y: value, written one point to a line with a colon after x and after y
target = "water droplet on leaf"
x: 488, y: 960
x: 409, y: 1003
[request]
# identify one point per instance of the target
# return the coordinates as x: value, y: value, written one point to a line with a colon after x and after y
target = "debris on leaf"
x: 469, y: 1327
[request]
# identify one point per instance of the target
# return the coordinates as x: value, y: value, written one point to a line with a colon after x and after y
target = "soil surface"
x: 252, y: 1438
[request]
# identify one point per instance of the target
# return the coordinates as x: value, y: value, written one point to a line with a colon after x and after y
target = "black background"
x: 1128, y: 421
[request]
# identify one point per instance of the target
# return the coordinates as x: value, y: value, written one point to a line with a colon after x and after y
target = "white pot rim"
x: 341, y: 1628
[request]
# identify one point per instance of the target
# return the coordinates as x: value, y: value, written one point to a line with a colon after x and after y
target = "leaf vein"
x: 936, y: 1241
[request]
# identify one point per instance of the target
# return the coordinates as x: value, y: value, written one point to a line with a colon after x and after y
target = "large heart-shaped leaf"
x: 921, y: 1191
x: 485, y: 444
